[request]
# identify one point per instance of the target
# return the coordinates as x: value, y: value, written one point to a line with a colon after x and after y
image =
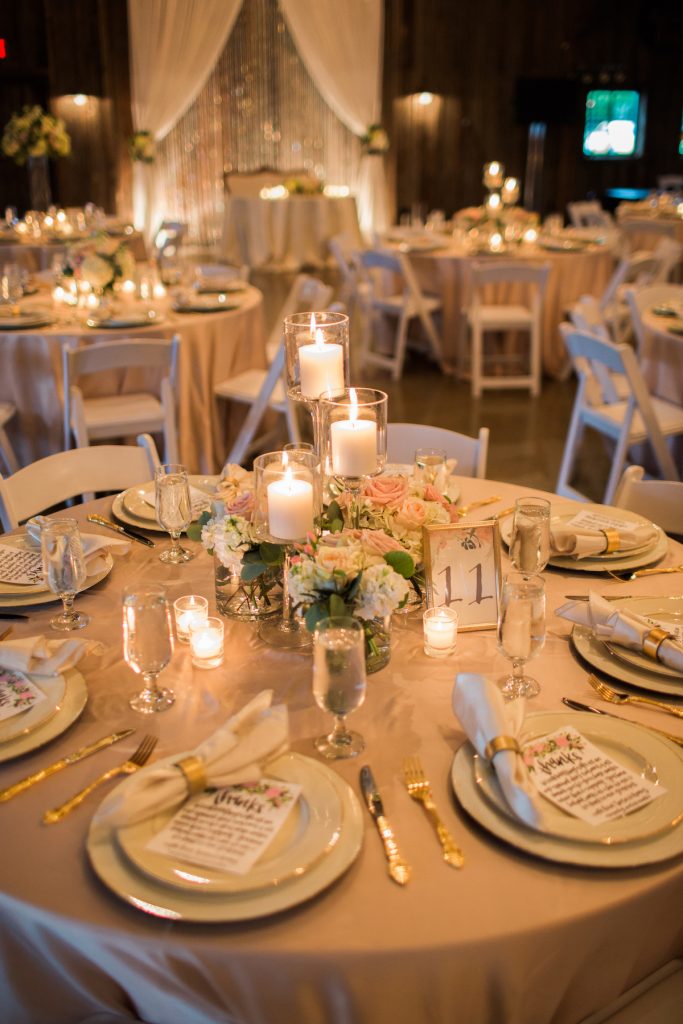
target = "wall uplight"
x: 80, y: 99
x: 425, y: 98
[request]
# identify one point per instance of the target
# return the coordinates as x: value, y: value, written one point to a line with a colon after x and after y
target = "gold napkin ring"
x: 195, y: 774
x: 653, y: 641
x: 501, y: 743
x: 613, y: 540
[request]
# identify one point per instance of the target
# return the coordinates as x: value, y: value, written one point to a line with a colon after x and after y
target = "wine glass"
x: 429, y: 463
x: 530, y: 539
x: 64, y: 569
x: 11, y: 288
x: 521, y: 630
x: 339, y: 681
x: 173, y: 509
x: 148, y: 643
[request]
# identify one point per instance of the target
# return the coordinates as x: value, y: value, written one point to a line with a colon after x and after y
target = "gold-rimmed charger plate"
x: 160, y: 900
x: 599, y: 657
x: 651, y: 849
x: 136, y: 499
x: 309, y: 833
x: 68, y: 708
x: 666, y: 610
x: 33, y: 717
x: 12, y: 595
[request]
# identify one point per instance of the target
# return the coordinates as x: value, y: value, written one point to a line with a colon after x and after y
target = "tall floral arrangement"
x: 100, y: 261
x: 34, y: 133
x: 142, y: 147
x: 375, y: 141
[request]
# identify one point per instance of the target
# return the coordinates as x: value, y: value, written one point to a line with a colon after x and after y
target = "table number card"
x: 585, y: 782
x: 17, y: 694
x: 228, y: 829
x: 462, y: 570
x: 20, y: 566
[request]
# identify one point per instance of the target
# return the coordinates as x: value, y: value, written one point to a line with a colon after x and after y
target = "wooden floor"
x: 527, y: 434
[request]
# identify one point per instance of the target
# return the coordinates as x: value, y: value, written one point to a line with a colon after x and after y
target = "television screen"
x: 613, y: 124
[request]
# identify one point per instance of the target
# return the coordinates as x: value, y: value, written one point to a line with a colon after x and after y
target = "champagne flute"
x: 148, y: 643
x: 339, y: 681
x: 64, y: 569
x: 530, y: 539
x: 430, y: 464
x: 521, y: 630
x: 173, y: 509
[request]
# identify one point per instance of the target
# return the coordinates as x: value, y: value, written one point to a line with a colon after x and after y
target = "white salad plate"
x: 67, y: 695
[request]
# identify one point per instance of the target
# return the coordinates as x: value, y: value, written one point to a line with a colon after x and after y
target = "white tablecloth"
x: 41, y: 256
x: 510, y: 939
x: 214, y: 346
x: 661, y: 359
x: 285, y: 234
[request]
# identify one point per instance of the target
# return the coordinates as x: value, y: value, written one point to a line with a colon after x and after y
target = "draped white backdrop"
x: 175, y: 45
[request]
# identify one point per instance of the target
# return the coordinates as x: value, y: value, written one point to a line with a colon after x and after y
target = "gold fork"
x: 626, y: 577
x: 136, y: 761
x: 610, y: 695
x: 477, y: 504
x: 419, y: 789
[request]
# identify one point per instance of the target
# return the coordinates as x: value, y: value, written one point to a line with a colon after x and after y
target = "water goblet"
x: 339, y: 682
x: 521, y: 630
x: 148, y: 644
x: 430, y: 464
x: 64, y: 569
x: 530, y: 538
x: 173, y: 509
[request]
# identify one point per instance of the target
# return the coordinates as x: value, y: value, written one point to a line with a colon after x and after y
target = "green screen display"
x: 612, y: 125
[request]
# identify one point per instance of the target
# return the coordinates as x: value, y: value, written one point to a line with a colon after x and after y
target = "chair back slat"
x: 113, y: 355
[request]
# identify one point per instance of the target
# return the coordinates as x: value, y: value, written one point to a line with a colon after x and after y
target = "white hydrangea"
x: 381, y: 591
x: 228, y: 538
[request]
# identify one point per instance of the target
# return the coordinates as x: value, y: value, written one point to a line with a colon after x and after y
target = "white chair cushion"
x: 499, y: 318
x: 246, y: 386
x: 114, y: 415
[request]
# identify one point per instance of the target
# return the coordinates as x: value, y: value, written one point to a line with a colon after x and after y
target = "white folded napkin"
x: 38, y: 657
x: 619, y: 626
x: 579, y: 542
x: 234, y: 753
x: 94, y: 544
x: 485, y: 715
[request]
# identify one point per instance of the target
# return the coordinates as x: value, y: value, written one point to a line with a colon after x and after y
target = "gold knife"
x: 64, y: 762
x: 399, y: 871
x: 130, y: 534
x: 477, y: 504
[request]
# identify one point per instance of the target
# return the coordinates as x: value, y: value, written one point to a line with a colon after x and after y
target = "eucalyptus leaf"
x: 252, y: 570
x: 194, y: 531
x: 337, y: 606
x: 271, y: 554
x: 313, y: 616
x: 401, y: 562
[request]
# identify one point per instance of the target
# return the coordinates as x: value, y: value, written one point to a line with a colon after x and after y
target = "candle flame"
x: 313, y: 325
x: 319, y: 338
x: 289, y: 479
x: 353, y: 411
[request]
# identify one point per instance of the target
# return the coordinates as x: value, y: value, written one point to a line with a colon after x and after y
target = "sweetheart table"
x: 511, y: 937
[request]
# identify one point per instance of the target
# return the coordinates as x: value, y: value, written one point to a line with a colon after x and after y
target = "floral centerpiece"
x: 304, y: 186
x: 247, y: 570
x: 375, y: 141
x: 100, y: 261
x: 142, y: 147
x: 34, y: 133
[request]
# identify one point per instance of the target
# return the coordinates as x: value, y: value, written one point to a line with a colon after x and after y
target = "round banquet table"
x: 661, y: 358
x: 644, y: 212
x: 39, y: 256
x: 288, y: 233
x: 446, y: 272
x: 510, y: 938
x: 213, y: 347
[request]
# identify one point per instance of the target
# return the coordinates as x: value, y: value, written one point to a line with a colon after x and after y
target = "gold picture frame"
x: 462, y: 570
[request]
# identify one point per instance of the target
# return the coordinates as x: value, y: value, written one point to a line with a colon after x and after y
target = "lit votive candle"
x: 206, y: 643
x: 321, y: 365
x: 531, y: 236
x: 440, y: 626
x: 189, y: 610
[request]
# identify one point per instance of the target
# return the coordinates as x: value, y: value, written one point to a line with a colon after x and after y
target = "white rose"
x: 96, y: 271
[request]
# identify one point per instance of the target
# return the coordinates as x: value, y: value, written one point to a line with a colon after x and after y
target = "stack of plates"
x: 23, y: 320
x: 319, y: 841
x: 630, y: 666
x: 66, y: 696
x: 135, y: 507
x: 647, y: 836
x: 617, y: 561
x: 15, y: 595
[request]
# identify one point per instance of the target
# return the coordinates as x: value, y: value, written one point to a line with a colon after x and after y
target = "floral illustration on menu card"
x: 560, y: 742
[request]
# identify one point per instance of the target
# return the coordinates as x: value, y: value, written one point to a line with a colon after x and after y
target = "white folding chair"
x: 658, y: 500
x: 639, y: 300
x: 81, y: 471
x: 669, y: 253
x: 634, y: 420
x: 587, y: 317
x: 7, y: 411
x: 342, y: 251
x: 589, y: 214
x: 645, y: 232
x: 471, y: 452
x: 120, y: 415
x: 266, y: 389
x: 409, y: 305
x: 638, y: 269
x: 217, y: 275
x: 484, y: 317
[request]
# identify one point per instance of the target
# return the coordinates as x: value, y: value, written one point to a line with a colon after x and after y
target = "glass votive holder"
x: 188, y: 610
x: 316, y: 354
x: 440, y: 626
x: 206, y: 643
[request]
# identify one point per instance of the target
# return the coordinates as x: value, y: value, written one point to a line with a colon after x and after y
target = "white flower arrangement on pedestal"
x: 375, y: 141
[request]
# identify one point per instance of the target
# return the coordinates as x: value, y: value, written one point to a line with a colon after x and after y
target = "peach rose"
x: 412, y: 513
x: 431, y: 493
x: 386, y: 490
x: 241, y: 504
x: 338, y: 559
x: 376, y: 542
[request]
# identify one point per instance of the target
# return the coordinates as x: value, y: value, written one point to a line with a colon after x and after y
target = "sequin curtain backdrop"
x: 259, y: 109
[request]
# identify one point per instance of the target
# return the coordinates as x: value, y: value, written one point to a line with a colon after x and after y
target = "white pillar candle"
x: 290, y: 507
x: 354, y: 444
x: 321, y: 367
x: 190, y: 610
x: 440, y: 627
x: 206, y: 643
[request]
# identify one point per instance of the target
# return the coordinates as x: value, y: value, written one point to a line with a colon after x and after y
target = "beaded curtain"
x: 258, y: 109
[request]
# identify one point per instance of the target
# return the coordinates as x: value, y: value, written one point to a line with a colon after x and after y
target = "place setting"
x: 137, y: 506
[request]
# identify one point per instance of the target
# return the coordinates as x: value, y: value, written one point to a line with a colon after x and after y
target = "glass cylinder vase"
x: 39, y: 182
x: 377, y: 643
x: 247, y: 600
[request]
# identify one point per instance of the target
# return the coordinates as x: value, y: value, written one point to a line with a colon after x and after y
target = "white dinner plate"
x: 204, y: 307
x: 33, y: 717
x: 598, y: 656
x: 14, y: 595
x: 617, y: 560
x: 669, y: 612
x: 116, y: 323
x: 161, y: 900
x: 136, y: 500
x: 620, y: 739
x: 22, y: 321
x: 229, y: 288
x: 68, y: 708
x: 131, y: 508
x: 310, y: 832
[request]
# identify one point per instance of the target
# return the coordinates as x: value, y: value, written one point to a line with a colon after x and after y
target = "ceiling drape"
x: 341, y: 42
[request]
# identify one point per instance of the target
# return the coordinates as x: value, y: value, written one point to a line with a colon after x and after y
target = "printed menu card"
x: 574, y: 774
x: 19, y: 566
x: 228, y: 829
x: 17, y: 693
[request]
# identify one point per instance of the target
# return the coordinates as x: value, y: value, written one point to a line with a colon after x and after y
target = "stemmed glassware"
x: 521, y: 630
x: 429, y: 464
x: 339, y: 682
x: 173, y: 509
x: 316, y: 360
x: 530, y: 538
x: 148, y: 643
x: 354, y: 439
x: 64, y: 569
